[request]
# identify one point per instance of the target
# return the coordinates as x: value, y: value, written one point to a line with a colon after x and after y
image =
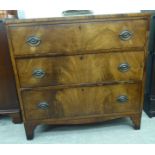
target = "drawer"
x: 78, y: 37
x: 91, y: 68
x: 81, y: 101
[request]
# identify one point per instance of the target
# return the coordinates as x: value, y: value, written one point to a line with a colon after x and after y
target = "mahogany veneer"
x: 76, y: 70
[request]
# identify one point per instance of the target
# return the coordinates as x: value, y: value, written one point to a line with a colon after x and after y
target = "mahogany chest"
x: 9, y: 104
x: 83, y: 69
x: 149, y: 102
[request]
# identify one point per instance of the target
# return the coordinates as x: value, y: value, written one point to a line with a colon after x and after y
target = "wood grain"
x: 80, y: 56
x: 92, y: 68
x: 74, y: 102
x: 74, y: 38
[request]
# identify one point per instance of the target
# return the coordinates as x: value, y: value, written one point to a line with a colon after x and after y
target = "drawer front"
x: 81, y: 102
x: 78, y: 37
x: 91, y: 68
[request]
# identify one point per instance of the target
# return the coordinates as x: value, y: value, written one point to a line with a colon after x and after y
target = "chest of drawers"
x: 9, y: 104
x: 149, y: 104
x: 76, y: 70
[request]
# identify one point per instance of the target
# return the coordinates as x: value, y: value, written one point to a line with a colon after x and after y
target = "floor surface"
x: 118, y: 131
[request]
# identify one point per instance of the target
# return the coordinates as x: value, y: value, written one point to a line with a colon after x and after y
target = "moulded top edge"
x: 82, y: 17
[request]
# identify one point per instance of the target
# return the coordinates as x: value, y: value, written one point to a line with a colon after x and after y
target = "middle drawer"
x: 91, y: 68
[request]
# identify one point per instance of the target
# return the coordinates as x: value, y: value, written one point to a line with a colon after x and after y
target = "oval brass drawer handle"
x: 125, y: 35
x: 122, y: 99
x: 124, y: 67
x: 33, y: 41
x: 38, y: 73
x: 43, y: 105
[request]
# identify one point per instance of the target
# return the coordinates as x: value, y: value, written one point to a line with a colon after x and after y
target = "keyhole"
x: 81, y: 57
x: 80, y: 27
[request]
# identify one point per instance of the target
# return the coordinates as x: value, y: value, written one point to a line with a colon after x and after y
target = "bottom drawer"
x: 81, y: 101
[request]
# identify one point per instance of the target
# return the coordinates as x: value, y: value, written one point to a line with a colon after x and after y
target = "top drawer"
x: 85, y: 37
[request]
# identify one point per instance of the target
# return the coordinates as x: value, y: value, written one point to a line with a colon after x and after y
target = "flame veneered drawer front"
x: 81, y: 102
x: 78, y: 37
x: 91, y: 68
